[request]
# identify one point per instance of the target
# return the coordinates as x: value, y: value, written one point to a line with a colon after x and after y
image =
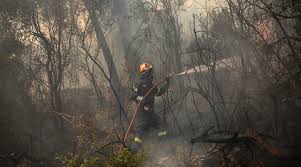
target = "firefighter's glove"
x: 140, y: 98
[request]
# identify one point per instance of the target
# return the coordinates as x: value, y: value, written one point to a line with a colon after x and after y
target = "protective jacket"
x: 142, y: 87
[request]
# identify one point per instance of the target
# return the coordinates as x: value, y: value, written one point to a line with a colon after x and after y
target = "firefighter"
x: 147, y: 121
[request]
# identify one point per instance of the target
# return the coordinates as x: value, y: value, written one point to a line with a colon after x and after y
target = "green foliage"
x: 126, y: 158
x: 70, y: 160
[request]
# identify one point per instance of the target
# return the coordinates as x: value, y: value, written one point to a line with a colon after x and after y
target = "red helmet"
x: 145, y: 67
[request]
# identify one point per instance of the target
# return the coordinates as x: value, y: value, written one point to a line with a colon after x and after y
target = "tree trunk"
x: 102, y: 42
x: 173, y: 39
x: 121, y: 12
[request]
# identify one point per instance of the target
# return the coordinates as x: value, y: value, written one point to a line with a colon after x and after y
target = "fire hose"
x: 192, y: 70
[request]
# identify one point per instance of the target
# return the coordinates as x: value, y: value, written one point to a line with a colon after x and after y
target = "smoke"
x: 166, y: 152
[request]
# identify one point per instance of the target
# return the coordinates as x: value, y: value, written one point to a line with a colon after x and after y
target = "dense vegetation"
x: 67, y: 68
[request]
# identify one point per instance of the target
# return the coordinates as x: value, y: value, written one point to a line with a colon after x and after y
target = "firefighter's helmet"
x: 145, y: 67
